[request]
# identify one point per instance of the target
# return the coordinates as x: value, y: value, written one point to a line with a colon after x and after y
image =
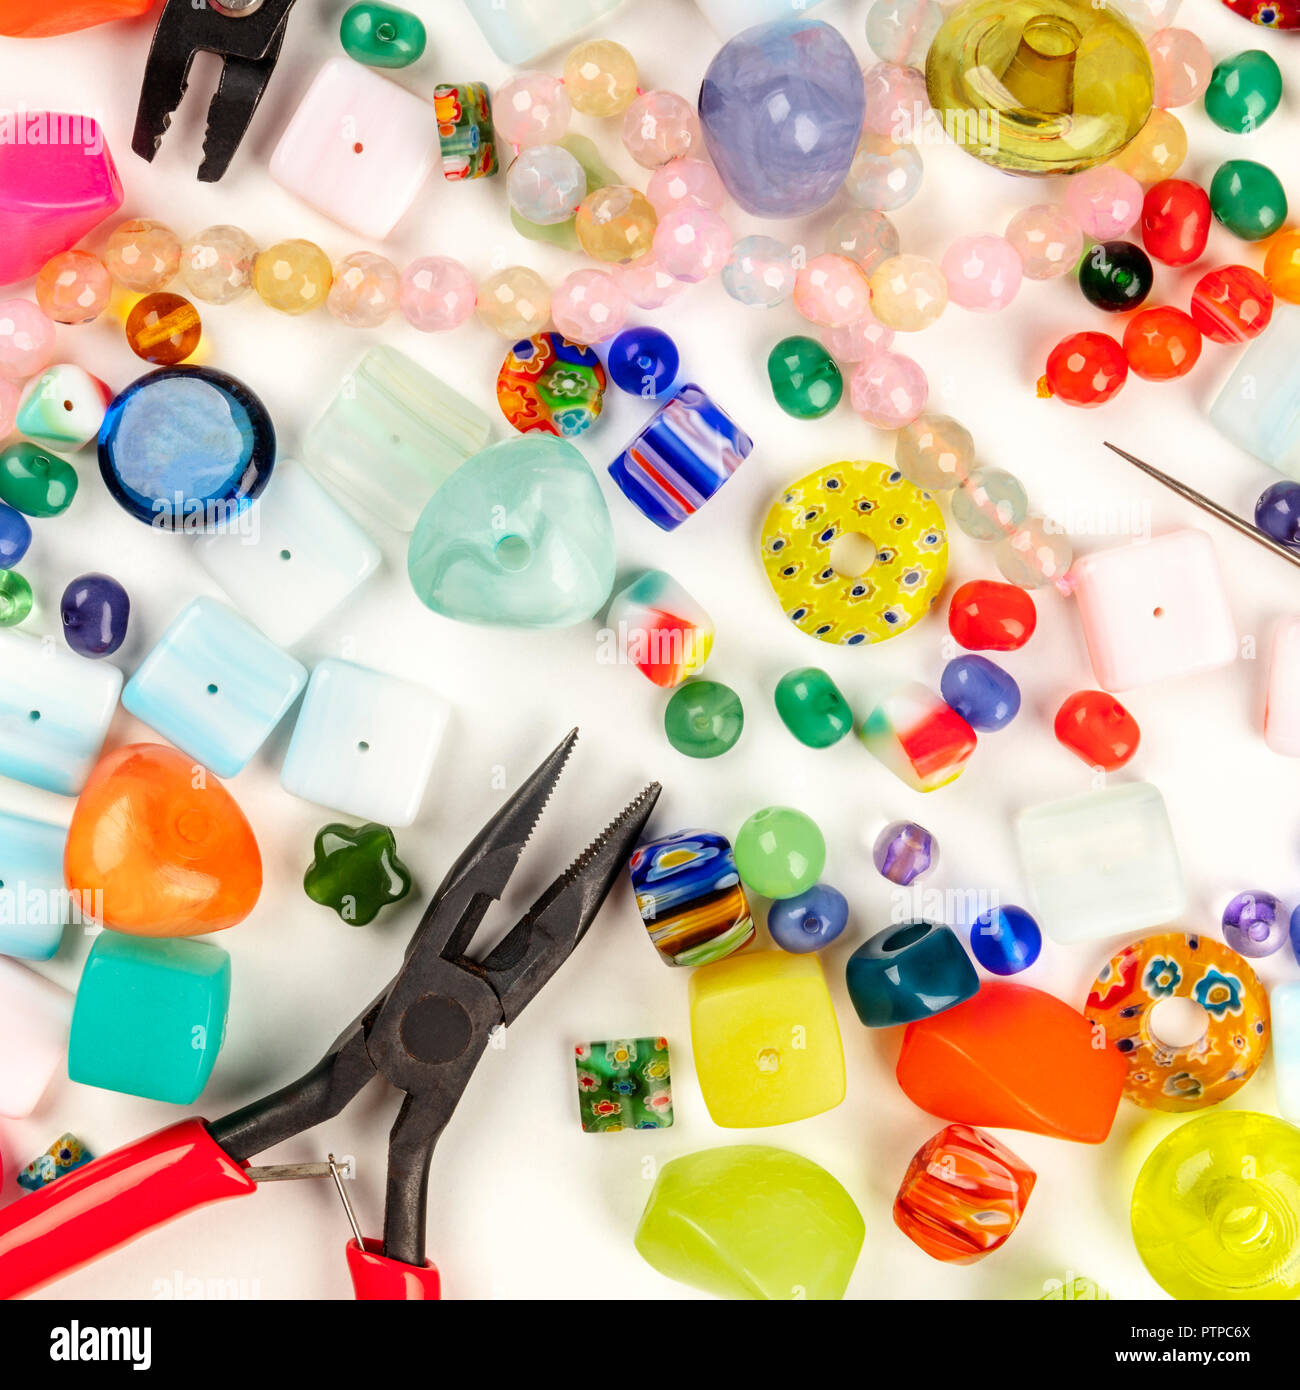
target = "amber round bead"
x: 164, y: 329
x: 293, y: 276
x: 616, y: 224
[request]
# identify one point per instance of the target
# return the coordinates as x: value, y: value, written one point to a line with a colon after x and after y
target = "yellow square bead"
x: 766, y: 1040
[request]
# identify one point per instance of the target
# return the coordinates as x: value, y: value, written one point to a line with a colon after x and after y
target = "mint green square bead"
x: 150, y: 1016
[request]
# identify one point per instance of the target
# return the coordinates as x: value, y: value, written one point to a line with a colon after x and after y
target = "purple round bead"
x: 904, y: 851
x: 1255, y: 923
x: 96, y: 611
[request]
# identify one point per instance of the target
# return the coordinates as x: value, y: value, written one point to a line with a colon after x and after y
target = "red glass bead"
x: 985, y: 616
x: 1085, y: 369
x: 1162, y: 343
x: 1232, y: 303
x: 1176, y: 221
x: 1098, y: 728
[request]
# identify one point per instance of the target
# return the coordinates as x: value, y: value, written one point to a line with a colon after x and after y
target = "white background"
x: 522, y: 1203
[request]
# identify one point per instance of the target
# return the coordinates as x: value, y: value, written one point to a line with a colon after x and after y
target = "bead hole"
x: 852, y: 554
x: 212, y: 690
x: 363, y: 747
x: 905, y: 936
x: 358, y: 148
x: 34, y: 716
x: 1157, y: 612
x: 286, y: 555
x: 1176, y: 1024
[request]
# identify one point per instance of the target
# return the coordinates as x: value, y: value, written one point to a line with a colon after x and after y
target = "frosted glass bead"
x: 531, y: 109
x: 685, y: 183
x: 365, y: 290
x: 616, y: 224
x: 647, y: 284
x: 990, y: 504
x: 515, y: 301
x: 74, y: 287
x: 866, y: 238
x: 983, y: 272
x: 26, y: 340
x: 935, y: 452
x: 661, y: 126
x: 900, y: 31
x: 601, y: 78
x: 31, y: 876
x: 908, y: 293
x: 831, y: 291
x: 143, y: 255
x: 1182, y: 66
x: 888, y: 390
x: 759, y: 272
x: 884, y: 174
x: 1147, y: 16
x: 520, y: 31
x: 293, y: 276
x: 1104, y: 201
x: 1034, y: 555
x: 896, y: 101
x: 692, y: 243
x: 588, y: 306
x: 35, y: 1015
x: 436, y: 294
x: 545, y: 184
x: 855, y: 342
x: 1157, y: 151
x: 1047, y: 239
x: 217, y: 266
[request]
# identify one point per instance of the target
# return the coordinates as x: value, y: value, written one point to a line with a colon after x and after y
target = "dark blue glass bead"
x: 186, y: 448
x: 643, y: 362
x: 810, y: 921
x: 1005, y: 940
x: 15, y: 536
x: 908, y: 972
x: 1277, y: 513
x: 985, y: 696
x: 96, y: 610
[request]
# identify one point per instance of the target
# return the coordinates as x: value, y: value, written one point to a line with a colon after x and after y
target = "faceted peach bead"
x: 831, y: 291
x: 616, y: 224
x: 935, y: 452
x: 692, y: 244
x: 1047, y: 239
x: 661, y: 126
x: 1157, y: 151
x: 866, y: 238
x: 896, y: 101
x: 74, y: 287
x: 983, y: 272
x: 685, y: 183
x: 1104, y: 201
x: 647, y: 284
x: 293, y: 276
x: 601, y: 78
x: 1182, y: 66
x: 531, y: 109
x: 436, y: 294
x: 888, y: 390
x: 588, y: 306
x: 26, y: 340
x: 855, y: 342
x: 365, y: 290
x: 516, y: 302
x: 217, y: 266
x: 1036, y: 554
x: 143, y: 255
x: 908, y: 293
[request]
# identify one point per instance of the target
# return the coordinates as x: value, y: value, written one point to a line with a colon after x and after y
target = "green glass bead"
x: 812, y: 708
x: 1244, y: 91
x: 15, y: 598
x: 704, y: 719
x: 780, y: 852
x: 805, y: 380
x: 356, y: 871
x: 1248, y: 198
x: 36, y: 482
x: 382, y: 36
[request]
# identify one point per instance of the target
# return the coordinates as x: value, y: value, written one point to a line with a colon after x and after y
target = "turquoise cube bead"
x: 33, y: 899
x: 908, y: 972
x: 150, y: 1016
x: 214, y: 686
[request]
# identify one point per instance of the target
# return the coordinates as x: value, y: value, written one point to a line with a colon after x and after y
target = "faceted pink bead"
x: 1104, y: 201
x: 9, y: 393
x: 661, y: 126
x: 866, y: 238
x: 143, y: 255
x: 1047, y: 239
x: 74, y: 287
x: 831, y: 291
x: 896, y: 101
x: 437, y: 293
x: 888, y: 390
x: 685, y: 183
x: 1182, y: 66
x: 983, y: 272
x: 692, y: 243
x: 588, y: 306
x: 365, y: 290
x: 647, y: 284
x: 26, y: 340
x: 855, y: 342
x: 531, y: 109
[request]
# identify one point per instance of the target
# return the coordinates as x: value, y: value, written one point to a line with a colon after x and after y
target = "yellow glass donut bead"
x: 601, y: 78
x: 293, y: 276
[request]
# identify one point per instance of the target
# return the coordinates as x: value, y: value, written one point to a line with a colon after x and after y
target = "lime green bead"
x: 1248, y: 199
x: 15, y: 598
x: 780, y: 852
x: 1244, y: 91
x: 382, y: 36
x: 812, y: 708
x: 1214, y: 1211
x: 806, y: 383
x: 35, y: 481
x: 704, y: 719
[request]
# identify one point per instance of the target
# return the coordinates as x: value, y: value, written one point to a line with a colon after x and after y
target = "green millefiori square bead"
x: 625, y: 1083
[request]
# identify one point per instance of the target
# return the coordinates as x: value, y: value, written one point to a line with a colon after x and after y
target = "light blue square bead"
x: 55, y: 709
x: 1284, y: 1017
x: 214, y: 686
x: 33, y: 899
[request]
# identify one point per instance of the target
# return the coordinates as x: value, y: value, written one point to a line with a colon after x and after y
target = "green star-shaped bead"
x: 356, y: 871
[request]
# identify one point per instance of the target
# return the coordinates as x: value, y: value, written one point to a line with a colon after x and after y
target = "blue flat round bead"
x: 809, y: 921
x: 643, y: 362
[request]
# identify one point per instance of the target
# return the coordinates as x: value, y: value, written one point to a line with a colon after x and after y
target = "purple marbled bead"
x: 1255, y: 923
x: 904, y: 851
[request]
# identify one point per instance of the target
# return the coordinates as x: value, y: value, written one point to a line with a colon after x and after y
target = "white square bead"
x: 1282, y: 711
x: 34, y: 902
x: 364, y: 743
x: 35, y: 1015
x: 358, y: 148
x: 1102, y: 865
x: 1154, y: 609
x: 55, y: 708
x: 293, y: 557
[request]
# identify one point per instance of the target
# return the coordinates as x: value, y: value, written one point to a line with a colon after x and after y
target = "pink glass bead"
x: 983, y: 272
x: 588, y: 306
x: 888, y: 390
x: 896, y: 101
x: 685, y: 183
x: 884, y: 174
x: 74, y: 287
x: 647, y: 284
x: 9, y: 393
x: 1182, y: 66
x: 866, y: 238
x: 660, y: 126
x: 26, y: 340
x: 831, y: 291
x: 1047, y: 239
x: 531, y: 109
x: 692, y: 243
x: 855, y: 342
x: 1104, y: 201
x: 365, y: 290
x: 142, y: 255
x: 436, y: 294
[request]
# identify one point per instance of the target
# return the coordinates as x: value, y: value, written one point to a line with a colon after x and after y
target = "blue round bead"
x: 1277, y: 513
x: 643, y: 362
x: 186, y: 448
x: 983, y: 694
x: 1005, y: 940
x: 1295, y: 934
x: 96, y: 610
x: 15, y: 536
x: 810, y: 921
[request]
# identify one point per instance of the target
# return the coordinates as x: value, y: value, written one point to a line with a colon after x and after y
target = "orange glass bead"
x: 74, y: 287
x: 164, y: 329
x: 1162, y: 343
x: 39, y: 19
x: 1014, y: 1057
x: 158, y: 847
x: 1282, y: 265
